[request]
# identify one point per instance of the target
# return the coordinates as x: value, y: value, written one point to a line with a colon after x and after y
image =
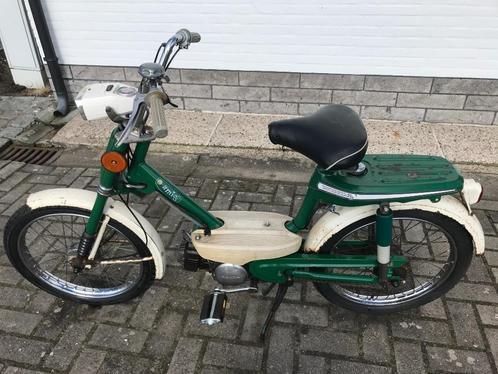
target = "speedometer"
x: 126, y: 91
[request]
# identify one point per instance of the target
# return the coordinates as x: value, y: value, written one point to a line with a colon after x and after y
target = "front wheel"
x: 439, y: 251
x: 40, y: 244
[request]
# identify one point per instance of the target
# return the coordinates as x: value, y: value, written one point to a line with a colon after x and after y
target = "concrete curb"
x: 237, y: 134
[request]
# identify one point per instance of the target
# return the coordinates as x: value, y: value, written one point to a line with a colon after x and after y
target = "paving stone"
x: 312, y: 364
x: 339, y: 343
x: 13, y: 180
x: 304, y: 314
x: 68, y: 346
x: 223, y: 200
x: 226, y: 330
x: 186, y: 356
x: 7, y: 170
x: 16, y: 193
x: 88, y: 362
x: 429, y: 331
x: 474, y: 292
x: 409, y: 358
x: 239, y: 185
x: 281, y: 351
x: 458, y: 361
x: 9, y: 275
x: 477, y: 271
x: 233, y: 356
x: 148, y: 308
x: 284, y: 195
x: 434, y: 309
x: 341, y: 367
x: 488, y: 314
x: 17, y: 370
x: 375, y: 343
x: 23, y: 350
x: 18, y: 322
x: 465, y: 325
x: 161, y: 340
x: 170, y: 221
x: 119, y: 363
x: 252, y: 197
x: 14, y: 297
x: 492, y: 338
x: 115, y: 313
x: 257, y: 310
x: 119, y: 338
x: 208, y: 189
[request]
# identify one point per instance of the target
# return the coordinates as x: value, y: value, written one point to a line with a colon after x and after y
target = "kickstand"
x: 279, y: 297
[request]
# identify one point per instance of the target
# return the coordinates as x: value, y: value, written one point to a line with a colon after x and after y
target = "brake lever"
x: 115, y: 117
x: 171, y: 103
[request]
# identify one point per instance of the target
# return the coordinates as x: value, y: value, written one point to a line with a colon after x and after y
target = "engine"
x: 230, y: 274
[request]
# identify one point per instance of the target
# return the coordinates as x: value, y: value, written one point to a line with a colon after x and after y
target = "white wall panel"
x: 454, y: 38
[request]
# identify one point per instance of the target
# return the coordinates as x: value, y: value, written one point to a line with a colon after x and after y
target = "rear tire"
x: 364, y: 299
x: 40, y: 242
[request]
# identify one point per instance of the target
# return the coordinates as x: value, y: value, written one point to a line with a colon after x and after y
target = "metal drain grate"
x: 30, y: 155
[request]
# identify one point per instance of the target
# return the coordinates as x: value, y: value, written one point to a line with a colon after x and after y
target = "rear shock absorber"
x: 383, y: 234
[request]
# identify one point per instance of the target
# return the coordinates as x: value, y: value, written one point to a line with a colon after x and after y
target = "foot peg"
x: 213, y: 308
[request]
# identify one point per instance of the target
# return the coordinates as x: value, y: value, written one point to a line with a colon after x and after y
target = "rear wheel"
x: 40, y: 244
x: 439, y: 251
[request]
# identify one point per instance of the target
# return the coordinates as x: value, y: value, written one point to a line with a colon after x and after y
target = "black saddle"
x: 334, y: 136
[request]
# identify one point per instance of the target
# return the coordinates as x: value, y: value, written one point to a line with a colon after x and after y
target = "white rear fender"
x: 116, y: 210
x: 333, y: 222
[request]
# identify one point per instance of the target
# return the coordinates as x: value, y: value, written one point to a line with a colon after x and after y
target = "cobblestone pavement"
x: 17, y: 113
x: 160, y: 332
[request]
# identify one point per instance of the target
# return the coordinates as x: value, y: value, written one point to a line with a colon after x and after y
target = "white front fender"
x: 333, y: 222
x: 116, y: 210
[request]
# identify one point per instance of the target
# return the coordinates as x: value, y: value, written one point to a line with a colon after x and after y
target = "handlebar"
x: 155, y: 101
x: 183, y: 38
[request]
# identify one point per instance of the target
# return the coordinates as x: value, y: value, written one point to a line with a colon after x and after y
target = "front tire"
x: 40, y: 243
x: 439, y: 251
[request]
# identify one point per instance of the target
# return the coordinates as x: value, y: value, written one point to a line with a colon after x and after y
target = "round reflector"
x: 114, y: 162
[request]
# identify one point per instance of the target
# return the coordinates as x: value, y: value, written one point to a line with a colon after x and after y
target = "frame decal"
x: 355, y: 196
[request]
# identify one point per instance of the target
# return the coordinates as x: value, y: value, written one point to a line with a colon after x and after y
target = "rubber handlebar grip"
x: 155, y: 102
x: 195, y: 37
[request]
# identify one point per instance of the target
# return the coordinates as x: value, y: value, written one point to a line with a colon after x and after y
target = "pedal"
x: 213, y: 308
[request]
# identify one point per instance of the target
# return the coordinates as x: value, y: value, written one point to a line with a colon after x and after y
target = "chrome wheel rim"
x: 48, y: 242
x: 429, y: 249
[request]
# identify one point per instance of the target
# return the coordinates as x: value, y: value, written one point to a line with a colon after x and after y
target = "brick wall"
x: 451, y: 100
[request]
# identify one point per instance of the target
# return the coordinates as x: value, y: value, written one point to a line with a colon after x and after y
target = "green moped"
x: 398, y: 231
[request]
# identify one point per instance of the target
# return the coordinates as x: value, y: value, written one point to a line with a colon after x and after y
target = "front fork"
x: 104, y: 191
x: 87, y: 241
x: 383, y: 235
